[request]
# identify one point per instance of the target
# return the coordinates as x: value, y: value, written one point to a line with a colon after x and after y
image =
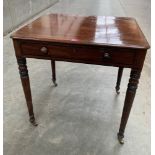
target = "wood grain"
x: 97, y: 30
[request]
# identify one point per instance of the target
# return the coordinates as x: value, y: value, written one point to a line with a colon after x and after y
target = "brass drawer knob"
x: 107, y: 55
x: 44, y: 50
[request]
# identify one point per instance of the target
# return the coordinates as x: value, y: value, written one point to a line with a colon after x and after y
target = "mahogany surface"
x: 112, y: 31
x: 100, y: 40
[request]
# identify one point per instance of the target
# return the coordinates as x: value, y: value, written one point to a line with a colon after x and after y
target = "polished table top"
x: 97, y: 30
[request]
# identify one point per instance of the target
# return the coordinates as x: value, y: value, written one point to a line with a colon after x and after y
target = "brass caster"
x: 32, y: 121
x: 120, y: 138
x: 117, y: 90
x: 54, y: 82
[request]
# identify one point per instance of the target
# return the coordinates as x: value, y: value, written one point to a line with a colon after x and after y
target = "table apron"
x: 108, y: 56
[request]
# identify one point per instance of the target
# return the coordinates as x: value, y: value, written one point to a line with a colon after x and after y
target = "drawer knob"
x: 106, y: 55
x: 43, y: 50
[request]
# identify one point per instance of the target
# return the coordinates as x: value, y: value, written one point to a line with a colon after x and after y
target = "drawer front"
x: 119, y: 56
x: 77, y: 53
x: 109, y: 56
x: 35, y: 49
x: 104, y: 56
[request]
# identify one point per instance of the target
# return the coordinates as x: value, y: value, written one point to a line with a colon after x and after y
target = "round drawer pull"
x: 107, y: 55
x: 43, y: 50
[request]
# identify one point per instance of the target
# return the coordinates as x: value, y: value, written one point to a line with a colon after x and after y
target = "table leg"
x: 119, y: 77
x: 53, y: 72
x: 130, y: 94
x: 26, y: 87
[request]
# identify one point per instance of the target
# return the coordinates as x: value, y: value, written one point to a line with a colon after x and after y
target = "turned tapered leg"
x: 26, y: 87
x: 119, y: 77
x: 130, y: 94
x: 53, y: 72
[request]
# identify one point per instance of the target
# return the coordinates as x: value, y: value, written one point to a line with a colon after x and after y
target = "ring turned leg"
x: 130, y: 94
x: 26, y: 87
x: 119, y: 77
x: 53, y: 72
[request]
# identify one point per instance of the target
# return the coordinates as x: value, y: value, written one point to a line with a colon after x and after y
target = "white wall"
x: 15, y: 12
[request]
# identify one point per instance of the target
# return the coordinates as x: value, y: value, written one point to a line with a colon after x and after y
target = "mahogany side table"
x: 99, y: 40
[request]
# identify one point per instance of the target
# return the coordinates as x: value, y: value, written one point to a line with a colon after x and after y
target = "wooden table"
x: 108, y: 41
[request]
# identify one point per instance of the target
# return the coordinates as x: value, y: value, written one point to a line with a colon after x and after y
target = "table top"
x: 94, y: 30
